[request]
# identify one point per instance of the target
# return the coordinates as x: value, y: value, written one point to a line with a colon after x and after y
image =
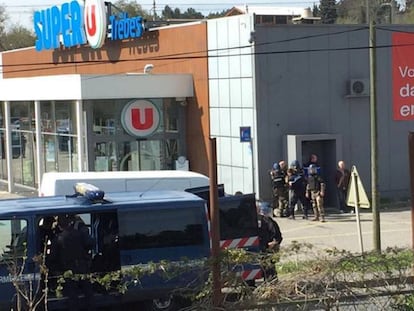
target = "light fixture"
x: 181, y: 100
x: 148, y: 68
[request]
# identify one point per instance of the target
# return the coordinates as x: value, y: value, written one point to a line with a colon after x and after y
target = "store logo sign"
x: 140, y: 118
x: 75, y: 24
x: 95, y: 22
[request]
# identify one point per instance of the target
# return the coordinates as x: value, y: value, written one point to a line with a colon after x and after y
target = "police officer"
x: 315, y: 190
x: 73, y: 246
x: 279, y: 191
x: 297, y: 189
x: 270, y: 237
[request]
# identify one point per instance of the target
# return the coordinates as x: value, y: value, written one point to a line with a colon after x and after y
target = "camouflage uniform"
x: 280, y: 193
x: 315, y: 190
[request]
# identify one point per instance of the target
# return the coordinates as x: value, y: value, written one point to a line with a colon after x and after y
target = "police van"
x: 130, y: 229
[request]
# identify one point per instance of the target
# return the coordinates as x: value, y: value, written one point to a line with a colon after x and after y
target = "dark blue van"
x: 129, y: 229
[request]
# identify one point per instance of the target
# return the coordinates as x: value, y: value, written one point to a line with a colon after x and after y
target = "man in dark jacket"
x: 72, y: 248
x: 270, y: 238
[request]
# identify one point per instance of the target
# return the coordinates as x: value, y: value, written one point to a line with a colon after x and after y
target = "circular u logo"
x: 140, y: 118
x: 95, y: 22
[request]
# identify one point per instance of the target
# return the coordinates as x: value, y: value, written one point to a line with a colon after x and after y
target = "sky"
x: 21, y: 11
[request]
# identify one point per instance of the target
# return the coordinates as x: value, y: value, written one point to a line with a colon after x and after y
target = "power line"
x: 51, y: 65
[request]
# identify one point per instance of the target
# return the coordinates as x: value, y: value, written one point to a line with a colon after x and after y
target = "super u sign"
x: 140, y: 118
x: 74, y: 24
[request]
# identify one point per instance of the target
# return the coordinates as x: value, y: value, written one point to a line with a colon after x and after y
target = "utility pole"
x: 215, y: 226
x: 374, y: 138
x: 154, y: 17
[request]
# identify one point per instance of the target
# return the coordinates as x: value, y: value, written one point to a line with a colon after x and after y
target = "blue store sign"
x: 74, y: 24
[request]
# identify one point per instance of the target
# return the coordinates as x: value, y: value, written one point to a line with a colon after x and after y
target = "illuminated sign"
x: 140, y: 118
x: 74, y: 24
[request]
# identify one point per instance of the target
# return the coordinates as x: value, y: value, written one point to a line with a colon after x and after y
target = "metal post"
x: 253, y: 181
x: 215, y: 224
x: 374, y: 142
x: 356, y: 205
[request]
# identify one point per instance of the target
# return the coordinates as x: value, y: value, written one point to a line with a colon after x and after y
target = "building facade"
x: 67, y: 105
x: 299, y: 89
x: 304, y: 89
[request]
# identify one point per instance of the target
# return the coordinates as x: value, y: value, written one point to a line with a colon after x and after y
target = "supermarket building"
x: 144, y: 102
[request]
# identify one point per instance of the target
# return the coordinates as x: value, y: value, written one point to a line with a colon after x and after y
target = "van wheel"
x: 168, y: 303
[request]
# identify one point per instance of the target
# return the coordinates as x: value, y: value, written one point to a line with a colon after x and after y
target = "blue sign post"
x: 245, y: 134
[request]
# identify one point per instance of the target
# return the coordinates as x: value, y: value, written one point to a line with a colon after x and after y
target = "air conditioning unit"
x: 359, y: 87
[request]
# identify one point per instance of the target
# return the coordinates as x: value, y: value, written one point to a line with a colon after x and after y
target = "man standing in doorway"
x: 342, y: 180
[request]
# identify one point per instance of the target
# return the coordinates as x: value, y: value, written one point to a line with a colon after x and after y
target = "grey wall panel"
x: 302, y: 83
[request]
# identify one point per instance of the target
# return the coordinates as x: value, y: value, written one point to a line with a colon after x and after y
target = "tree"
x: 192, y: 14
x: 132, y: 8
x: 3, y: 19
x: 351, y: 12
x: 169, y: 13
x: 327, y: 11
x: 217, y: 14
x: 18, y: 37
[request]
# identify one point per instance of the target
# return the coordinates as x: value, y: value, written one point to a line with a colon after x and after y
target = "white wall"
x: 232, y: 98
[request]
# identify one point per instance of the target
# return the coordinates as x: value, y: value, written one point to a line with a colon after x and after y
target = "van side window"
x: 238, y: 217
x: 160, y: 228
x: 13, y: 238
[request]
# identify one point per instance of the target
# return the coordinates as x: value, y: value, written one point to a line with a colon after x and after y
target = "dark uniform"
x: 72, y: 249
x: 279, y: 190
x: 270, y: 238
x: 315, y: 190
x: 297, y: 189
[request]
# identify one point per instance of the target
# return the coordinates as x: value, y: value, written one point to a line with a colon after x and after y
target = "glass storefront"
x: 116, y: 150
x: 108, y: 147
x: 59, y: 136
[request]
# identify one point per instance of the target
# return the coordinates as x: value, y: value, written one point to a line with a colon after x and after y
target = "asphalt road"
x: 341, y: 230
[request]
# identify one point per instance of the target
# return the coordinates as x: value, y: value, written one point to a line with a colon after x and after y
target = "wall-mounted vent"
x: 359, y: 87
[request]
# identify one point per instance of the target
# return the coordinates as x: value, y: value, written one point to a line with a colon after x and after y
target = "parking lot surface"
x: 341, y: 230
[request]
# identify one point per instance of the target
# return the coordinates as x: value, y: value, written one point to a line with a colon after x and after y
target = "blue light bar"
x: 89, y: 191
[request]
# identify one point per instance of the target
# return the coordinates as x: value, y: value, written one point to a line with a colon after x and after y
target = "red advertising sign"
x: 403, y: 76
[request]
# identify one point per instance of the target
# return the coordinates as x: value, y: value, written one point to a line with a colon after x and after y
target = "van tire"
x: 169, y: 303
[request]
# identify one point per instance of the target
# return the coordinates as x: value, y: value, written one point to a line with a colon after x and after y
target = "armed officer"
x: 279, y: 191
x: 315, y: 191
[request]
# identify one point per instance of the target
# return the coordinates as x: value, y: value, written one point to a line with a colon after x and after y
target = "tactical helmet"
x: 276, y: 166
x: 264, y: 208
x: 313, y: 169
x: 295, y: 164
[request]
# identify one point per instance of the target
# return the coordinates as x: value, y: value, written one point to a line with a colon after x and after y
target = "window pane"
x: 163, y: 228
x: 13, y: 238
x: 237, y: 217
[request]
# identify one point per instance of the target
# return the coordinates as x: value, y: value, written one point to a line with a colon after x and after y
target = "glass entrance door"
x: 139, y: 155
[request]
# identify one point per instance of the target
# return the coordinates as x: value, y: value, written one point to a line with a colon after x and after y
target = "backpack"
x: 278, y: 180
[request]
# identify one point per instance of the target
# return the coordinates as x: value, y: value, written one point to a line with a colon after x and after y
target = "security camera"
x: 148, y: 68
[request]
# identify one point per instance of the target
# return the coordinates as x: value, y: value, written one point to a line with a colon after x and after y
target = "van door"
x: 13, y: 250
x: 238, y: 222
